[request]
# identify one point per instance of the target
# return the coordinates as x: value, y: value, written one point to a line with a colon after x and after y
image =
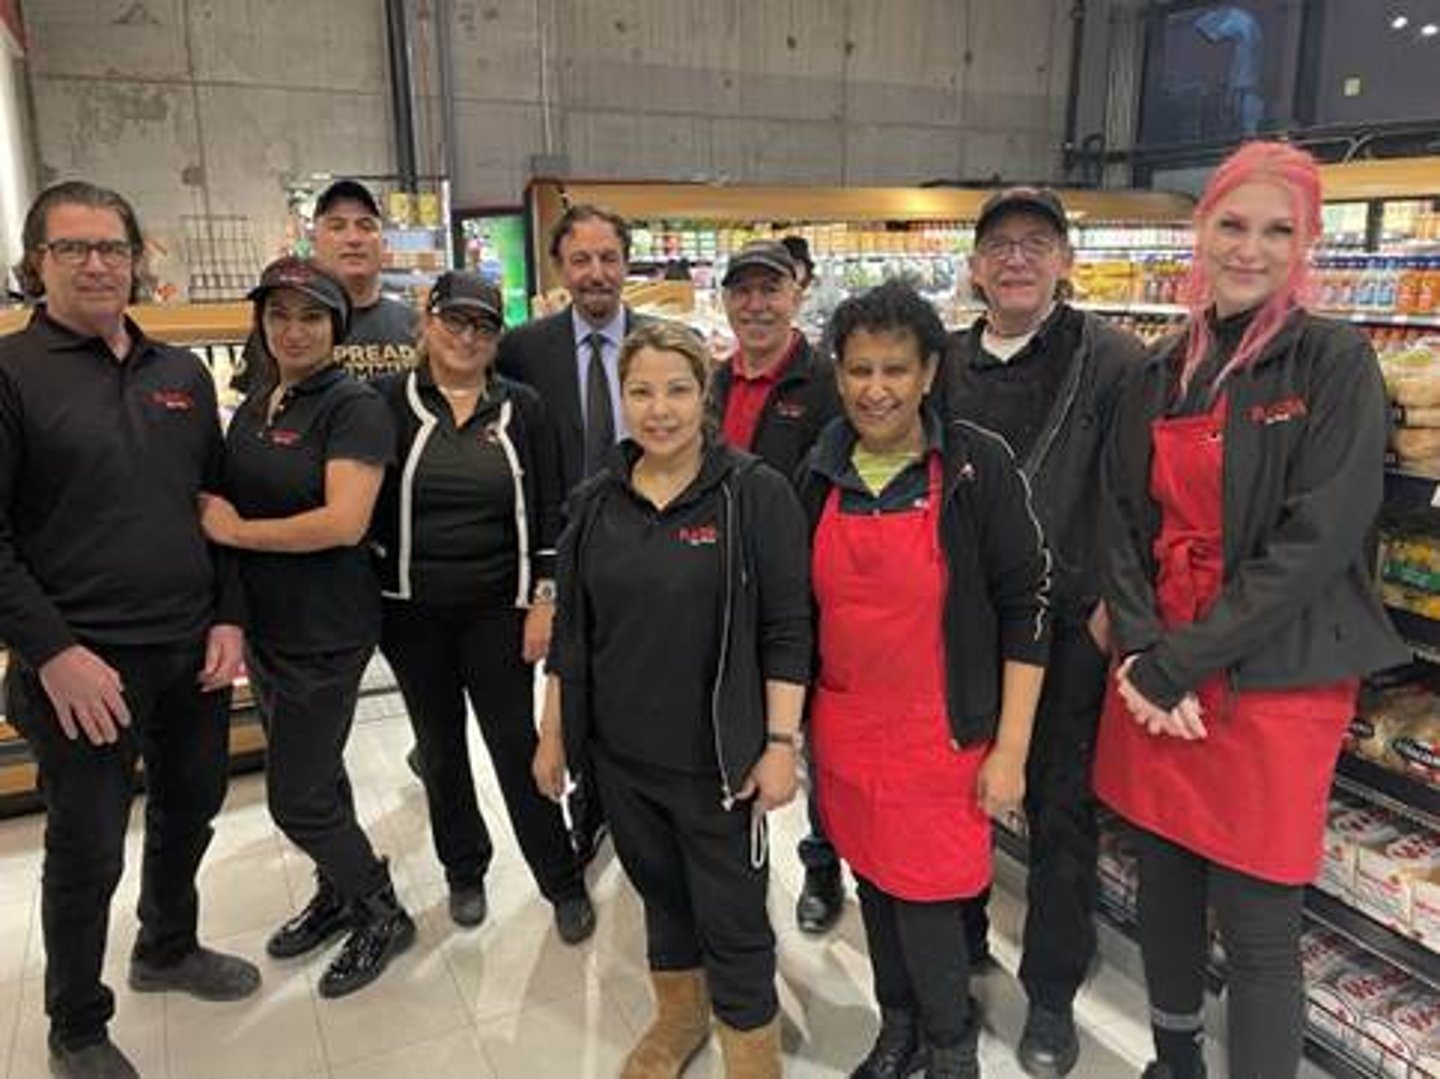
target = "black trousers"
x: 919, y: 959
x: 690, y: 860
x: 1260, y: 927
x: 440, y: 656
x: 1059, y: 939
x: 307, y: 704
x: 815, y: 850
x: 182, y: 736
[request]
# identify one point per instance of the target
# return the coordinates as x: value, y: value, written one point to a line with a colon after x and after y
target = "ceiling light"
x: 1399, y: 22
x: 1429, y: 30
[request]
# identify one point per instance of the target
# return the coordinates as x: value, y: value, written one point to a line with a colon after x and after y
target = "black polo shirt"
x: 322, y: 601
x: 101, y: 462
x: 1014, y: 397
x: 464, y: 533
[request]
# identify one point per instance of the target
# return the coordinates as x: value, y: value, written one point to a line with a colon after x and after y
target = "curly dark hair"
x: 77, y: 193
x: 895, y: 307
x: 584, y: 211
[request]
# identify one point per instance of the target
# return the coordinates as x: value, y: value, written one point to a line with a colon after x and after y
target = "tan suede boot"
x: 751, y: 1054
x: 682, y: 1023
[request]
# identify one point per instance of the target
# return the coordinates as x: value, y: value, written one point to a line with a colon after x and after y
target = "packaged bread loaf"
x: 1393, y: 1038
x: 1385, y: 875
x: 1346, y: 831
x: 1415, y: 443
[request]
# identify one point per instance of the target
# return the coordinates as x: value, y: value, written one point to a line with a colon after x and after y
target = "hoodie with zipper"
x: 740, y: 521
x: 1303, y: 480
x: 996, y: 605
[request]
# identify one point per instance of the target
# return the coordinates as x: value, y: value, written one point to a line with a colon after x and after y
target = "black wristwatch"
x: 783, y: 738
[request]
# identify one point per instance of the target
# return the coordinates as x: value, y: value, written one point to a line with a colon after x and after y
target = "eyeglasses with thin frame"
x: 1032, y: 248
x: 459, y: 325
x: 112, y: 253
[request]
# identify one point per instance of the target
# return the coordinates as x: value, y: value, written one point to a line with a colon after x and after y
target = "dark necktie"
x: 599, y: 415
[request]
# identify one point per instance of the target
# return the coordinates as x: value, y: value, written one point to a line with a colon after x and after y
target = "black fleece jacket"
x: 1303, y: 480
x: 997, y: 594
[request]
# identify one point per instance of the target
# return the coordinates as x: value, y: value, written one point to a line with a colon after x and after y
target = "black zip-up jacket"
x: 101, y: 463
x: 518, y: 421
x: 1063, y: 466
x: 765, y: 633
x: 997, y: 593
x: 1303, y: 480
x: 802, y: 403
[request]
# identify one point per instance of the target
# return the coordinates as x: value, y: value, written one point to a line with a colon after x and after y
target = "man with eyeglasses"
x: 123, y: 624
x: 349, y: 241
x: 1044, y: 376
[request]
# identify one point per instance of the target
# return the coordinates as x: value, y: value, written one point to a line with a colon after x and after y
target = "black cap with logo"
x: 769, y: 255
x: 456, y: 290
x: 1040, y: 201
x: 347, y: 190
x: 307, y: 278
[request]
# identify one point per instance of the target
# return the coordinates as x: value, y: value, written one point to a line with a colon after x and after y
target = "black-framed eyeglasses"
x: 1031, y: 248
x: 459, y: 325
x: 77, y: 252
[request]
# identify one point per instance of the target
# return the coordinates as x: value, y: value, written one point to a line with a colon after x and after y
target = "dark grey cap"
x: 770, y: 255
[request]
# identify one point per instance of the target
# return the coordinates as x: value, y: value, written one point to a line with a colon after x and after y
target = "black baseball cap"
x: 352, y: 190
x: 456, y: 290
x: 306, y: 277
x: 1040, y: 201
x: 770, y: 255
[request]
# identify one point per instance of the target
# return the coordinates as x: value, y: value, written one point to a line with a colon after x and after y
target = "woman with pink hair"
x: 1244, y: 469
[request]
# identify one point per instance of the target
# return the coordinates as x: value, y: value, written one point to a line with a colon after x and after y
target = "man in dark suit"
x: 571, y: 357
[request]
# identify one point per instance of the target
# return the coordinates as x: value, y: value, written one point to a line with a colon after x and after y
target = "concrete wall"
x: 210, y: 106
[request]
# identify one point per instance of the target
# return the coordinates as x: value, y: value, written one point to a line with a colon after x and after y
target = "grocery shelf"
x: 1406, y: 488
x: 1336, y: 1060
x: 1395, y: 948
x: 1388, y: 788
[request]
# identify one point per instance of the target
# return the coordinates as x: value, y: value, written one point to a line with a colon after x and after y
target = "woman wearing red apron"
x: 1244, y: 469
x: 930, y: 578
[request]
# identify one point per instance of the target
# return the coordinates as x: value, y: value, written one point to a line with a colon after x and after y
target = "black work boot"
x: 1049, y: 1045
x: 382, y: 931
x: 821, y: 899
x: 324, y: 917
x: 98, y: 1060
x: 898, y: 1050
x: 961, y: 1060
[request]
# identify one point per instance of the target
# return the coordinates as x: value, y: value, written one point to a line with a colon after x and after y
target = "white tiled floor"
x: 507, y: 1000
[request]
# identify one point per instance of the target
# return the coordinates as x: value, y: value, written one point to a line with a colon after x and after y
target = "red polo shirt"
x: 749, y: 394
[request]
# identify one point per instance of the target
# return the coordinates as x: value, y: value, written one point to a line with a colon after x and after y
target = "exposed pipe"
x: 402, y: 91
x: 446, y: 61
x: 1072, y: 98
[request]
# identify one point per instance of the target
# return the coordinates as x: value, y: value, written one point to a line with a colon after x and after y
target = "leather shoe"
x: 324, y: 917
x: 382, y: 931
x: 468, y: 905
x: 98, y: 1060
x: 821, y: 900
x: 574, y: 919
x: 1049, y: 1046
x: 204, y: 974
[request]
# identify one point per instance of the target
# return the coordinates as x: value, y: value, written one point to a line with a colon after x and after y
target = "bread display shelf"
x: 1396, y: 949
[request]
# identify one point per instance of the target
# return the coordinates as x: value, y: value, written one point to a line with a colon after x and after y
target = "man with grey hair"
x: 123, y: 624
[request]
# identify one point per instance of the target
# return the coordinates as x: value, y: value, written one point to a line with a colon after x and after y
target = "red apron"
x: 897, y: 797
x: 1251, y: 796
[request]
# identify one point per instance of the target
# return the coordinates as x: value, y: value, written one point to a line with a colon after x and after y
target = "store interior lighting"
x: 1399, y: 22
x: 1429, y: 30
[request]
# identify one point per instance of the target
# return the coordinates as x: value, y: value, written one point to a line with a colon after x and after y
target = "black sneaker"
x: 575, y: 919
x: 1049, y: 1046
x: 821, y: 900
x: 468, y: 905
x: 382, y: 931
x: 960, y: 1061
x: 204, y: 974
x: 98, y: 1060
x: 324, y: 917
x: 898, y: 1050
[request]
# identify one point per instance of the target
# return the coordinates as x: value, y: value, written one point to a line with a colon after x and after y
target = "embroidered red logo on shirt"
x: 790, y: 410
x: 173, y: 400
x: 281, y: 436
x: 1281, y: 411
x: 699, y: 535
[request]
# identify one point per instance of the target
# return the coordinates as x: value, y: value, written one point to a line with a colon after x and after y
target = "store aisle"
x: 507, y: 1000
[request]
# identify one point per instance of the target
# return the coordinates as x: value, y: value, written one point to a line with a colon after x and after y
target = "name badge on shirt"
x: 173, y: 400
x: 698, y: 535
